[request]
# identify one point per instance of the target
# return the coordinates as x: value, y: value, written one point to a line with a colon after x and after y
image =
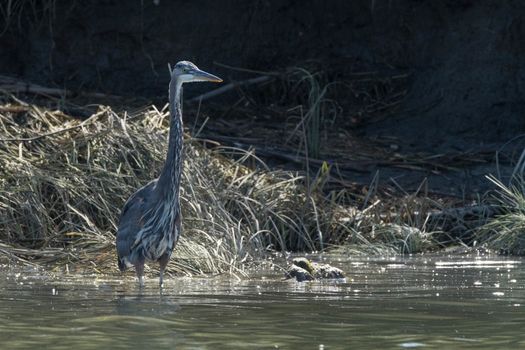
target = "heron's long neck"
x: 169, y: 179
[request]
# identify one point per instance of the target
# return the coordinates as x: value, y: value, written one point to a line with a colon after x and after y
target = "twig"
x: 9, y: 84
x: 247, y: 70
x: 229, y: 87
x: 14, y: 85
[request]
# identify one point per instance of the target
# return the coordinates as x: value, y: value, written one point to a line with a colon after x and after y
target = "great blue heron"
x: 150, y: 222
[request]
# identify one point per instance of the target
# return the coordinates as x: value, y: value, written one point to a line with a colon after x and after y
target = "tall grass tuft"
x: 313, y: 118
x: 505, y: 233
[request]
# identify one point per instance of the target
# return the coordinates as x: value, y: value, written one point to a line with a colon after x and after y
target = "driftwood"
x: 13, y: 85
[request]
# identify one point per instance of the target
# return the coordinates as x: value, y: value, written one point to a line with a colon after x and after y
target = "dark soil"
x: 427, y: 89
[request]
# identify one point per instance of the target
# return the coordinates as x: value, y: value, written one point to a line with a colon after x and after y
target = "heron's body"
x: 150, y: 222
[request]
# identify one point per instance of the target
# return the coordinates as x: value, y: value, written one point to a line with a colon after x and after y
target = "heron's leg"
x: 163, y: 261
x: 139, y: 268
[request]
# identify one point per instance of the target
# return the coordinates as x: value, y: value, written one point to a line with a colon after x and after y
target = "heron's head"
x: 187, y: 72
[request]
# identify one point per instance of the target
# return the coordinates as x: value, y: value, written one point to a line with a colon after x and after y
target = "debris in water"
x: 306, y: 270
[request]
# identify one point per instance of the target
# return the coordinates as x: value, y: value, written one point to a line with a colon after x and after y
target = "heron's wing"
x: 132, y: 218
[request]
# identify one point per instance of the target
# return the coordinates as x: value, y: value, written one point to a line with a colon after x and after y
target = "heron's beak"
x: 200, y: 75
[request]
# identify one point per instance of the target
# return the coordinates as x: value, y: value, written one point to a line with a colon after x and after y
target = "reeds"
x: 63, y: 182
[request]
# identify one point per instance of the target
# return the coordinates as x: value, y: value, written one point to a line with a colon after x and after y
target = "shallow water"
x: 456, y: 302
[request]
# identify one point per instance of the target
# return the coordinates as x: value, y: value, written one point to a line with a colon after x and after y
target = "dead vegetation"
x: 63, y: 182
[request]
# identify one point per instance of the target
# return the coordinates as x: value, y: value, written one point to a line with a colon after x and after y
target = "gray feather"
x: 150, y: 222
x: 132, y: 220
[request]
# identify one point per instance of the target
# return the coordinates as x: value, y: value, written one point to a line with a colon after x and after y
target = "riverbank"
x: 64, y: 180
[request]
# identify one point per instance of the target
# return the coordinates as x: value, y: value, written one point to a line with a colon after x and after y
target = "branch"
x: 9, y: 84
x: 229, y: 87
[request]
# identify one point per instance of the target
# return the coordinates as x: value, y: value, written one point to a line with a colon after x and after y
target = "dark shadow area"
x: 413, y: 89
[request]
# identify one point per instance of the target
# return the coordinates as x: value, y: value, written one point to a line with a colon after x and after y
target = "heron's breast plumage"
x: 159, y: 233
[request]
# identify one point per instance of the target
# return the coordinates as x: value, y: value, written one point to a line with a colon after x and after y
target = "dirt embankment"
x: 462, y: 63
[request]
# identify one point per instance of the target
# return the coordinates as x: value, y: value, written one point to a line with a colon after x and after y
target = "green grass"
x: 313, y: 117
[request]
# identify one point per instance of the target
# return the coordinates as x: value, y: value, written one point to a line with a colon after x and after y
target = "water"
x: 456, y: 302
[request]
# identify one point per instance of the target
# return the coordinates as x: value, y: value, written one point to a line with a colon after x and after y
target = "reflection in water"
x: 442, y: 302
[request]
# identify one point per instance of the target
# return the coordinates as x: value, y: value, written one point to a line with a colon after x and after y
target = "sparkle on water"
x: 455, y: 302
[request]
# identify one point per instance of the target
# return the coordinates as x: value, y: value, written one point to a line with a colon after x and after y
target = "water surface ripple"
x: 452, y: 302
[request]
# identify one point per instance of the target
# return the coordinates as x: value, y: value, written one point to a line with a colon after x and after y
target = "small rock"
x: 299, y: 274
x: 306, y: 270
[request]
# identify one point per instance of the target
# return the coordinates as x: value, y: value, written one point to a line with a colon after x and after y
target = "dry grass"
x: 505, y: 233
x: 63, y: 182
